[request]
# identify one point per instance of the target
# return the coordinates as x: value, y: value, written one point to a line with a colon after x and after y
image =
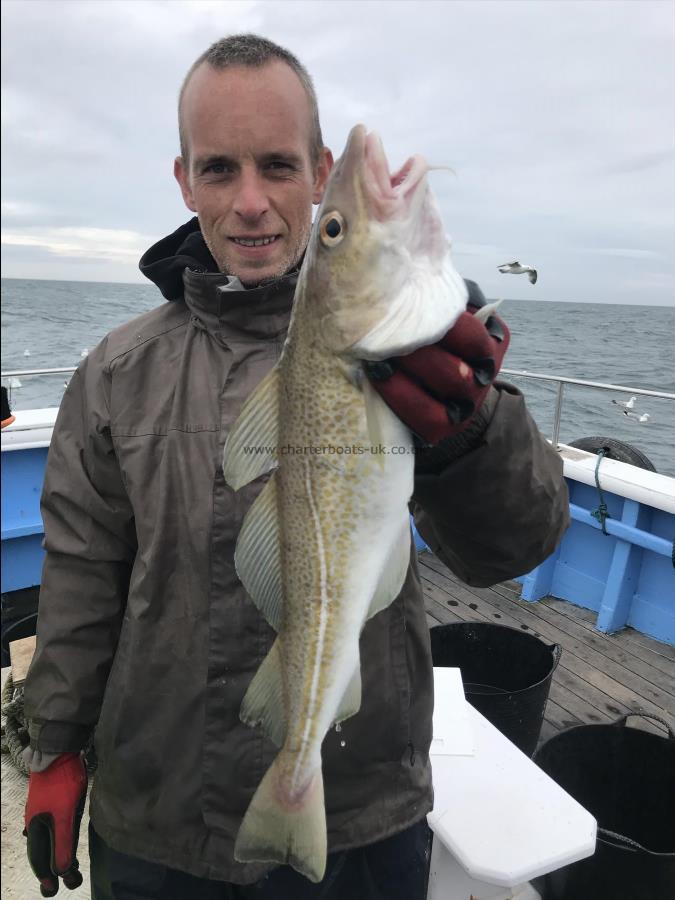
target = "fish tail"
x: 283, y: 829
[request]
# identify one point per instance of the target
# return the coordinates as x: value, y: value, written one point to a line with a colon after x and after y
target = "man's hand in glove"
x: 437, y: 390
x: 54, y: 810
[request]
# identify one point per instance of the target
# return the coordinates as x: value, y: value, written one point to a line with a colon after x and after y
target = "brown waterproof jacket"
x: 145, y: 632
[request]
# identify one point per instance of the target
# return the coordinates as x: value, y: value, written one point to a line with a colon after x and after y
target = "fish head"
x: 377, y: 271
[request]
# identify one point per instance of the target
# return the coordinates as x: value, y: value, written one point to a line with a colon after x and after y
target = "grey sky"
x: 557, y: 119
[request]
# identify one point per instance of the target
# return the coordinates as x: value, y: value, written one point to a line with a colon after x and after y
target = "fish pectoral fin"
x: 263, y: 703
x: 484, y: 313
x: 393, y: 571
x: 352, y: 372
x: 251, y: 445
x: 351, y: 701
x: 257, y: 556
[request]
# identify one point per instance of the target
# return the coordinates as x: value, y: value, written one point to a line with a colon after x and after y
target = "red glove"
x: 437, y: 390
x: 54, y: 808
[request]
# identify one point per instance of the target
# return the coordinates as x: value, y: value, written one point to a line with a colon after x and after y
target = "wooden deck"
x: 600, y: 677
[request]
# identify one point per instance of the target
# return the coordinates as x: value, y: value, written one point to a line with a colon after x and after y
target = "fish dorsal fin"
x: 393, y: 571
x: 256, y: 429
x: 263, y: 703
x: 257, y: 556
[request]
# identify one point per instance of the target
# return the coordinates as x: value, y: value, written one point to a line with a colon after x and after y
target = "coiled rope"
x: 14, y: 735
x: 601, y: 513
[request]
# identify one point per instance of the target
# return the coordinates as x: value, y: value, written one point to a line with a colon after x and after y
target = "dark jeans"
x: 393, y: 869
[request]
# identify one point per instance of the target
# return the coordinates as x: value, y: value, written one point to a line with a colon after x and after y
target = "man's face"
x: 250, y: 176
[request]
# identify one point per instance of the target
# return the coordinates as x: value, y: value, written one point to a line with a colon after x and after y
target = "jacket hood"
x: 165, y: 262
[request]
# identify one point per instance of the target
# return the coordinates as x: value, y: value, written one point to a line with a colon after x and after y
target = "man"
x: 145, y: 631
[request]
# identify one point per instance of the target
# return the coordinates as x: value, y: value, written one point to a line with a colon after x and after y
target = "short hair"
x: 254, y: 51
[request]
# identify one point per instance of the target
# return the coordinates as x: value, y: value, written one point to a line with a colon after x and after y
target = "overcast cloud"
x: 557, y: 119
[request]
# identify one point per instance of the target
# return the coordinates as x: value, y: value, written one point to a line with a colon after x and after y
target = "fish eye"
x: 331, y: 229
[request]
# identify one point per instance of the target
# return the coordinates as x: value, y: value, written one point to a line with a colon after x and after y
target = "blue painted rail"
x: 24, y: 456
x: 22, y: 529
x: 627, y: 574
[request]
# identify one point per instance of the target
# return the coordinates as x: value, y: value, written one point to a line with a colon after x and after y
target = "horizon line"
x: 150, y: 284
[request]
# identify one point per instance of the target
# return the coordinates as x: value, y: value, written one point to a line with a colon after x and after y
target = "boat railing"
x: 560, y: 380
x: 18, y: 373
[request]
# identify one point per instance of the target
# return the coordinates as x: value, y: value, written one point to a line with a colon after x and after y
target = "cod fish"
x: 327, y: 543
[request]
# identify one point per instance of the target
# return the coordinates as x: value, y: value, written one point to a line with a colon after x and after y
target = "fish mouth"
x: 389, y: 195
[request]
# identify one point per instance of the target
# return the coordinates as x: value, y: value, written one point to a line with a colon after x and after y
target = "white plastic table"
x: 498, y: 819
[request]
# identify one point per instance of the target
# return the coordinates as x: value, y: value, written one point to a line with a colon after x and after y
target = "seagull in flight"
x: 516, y: 268
x: 629, y: 404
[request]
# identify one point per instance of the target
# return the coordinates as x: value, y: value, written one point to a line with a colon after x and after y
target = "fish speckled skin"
x: 326, y: 545
x: 323, y: 562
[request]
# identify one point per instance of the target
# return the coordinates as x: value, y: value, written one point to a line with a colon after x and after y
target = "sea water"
x: 58, y: 321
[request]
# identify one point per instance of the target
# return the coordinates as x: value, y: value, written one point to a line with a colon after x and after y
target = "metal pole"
x: 558, y: 413
x: 591, y: 384
x: 26, y: 372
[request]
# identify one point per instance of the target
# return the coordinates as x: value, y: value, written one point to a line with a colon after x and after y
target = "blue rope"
x: 601, y: 513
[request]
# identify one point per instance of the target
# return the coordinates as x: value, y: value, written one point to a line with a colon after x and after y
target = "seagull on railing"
x: 515, y: 268
x: 643, y: 418
x: 629, y: 404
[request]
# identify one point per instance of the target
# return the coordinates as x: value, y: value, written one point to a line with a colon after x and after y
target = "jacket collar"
x: 183, y: 269
x: 255, y: 313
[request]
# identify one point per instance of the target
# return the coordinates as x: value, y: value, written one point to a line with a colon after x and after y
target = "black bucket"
x: 15, y: 630
x: 506, y: 674
x: 625, y: 778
